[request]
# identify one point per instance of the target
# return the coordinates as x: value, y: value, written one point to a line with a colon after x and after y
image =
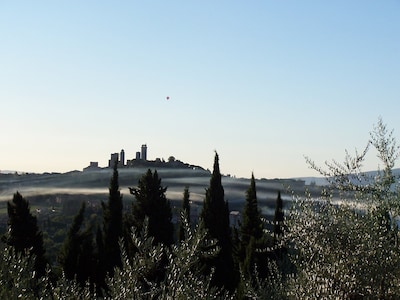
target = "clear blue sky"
x: 262, y: 82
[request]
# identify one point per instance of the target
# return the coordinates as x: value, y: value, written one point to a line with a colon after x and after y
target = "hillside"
x: 94, y: 185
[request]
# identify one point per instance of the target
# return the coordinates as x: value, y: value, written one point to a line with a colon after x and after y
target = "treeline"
x: 93, y: 252
x: 329, y: 248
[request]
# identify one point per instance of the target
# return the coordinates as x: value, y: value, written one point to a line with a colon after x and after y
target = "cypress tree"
x: 251, y: 225
x: 77, y: 254
x: 215, y: 215
x: 69, y: 253
x: 278, y: 218
x: 87, y: 259
x: 185, y: 210
x: 152, y: 202
x: 251, y: 231
x: 112, y: 224
x: 280, y: 249
x: 23, y: 232
x: 101, y: 272
x: 250, y: 258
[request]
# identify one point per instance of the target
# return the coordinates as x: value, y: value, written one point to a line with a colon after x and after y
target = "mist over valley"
x: 76, y: 186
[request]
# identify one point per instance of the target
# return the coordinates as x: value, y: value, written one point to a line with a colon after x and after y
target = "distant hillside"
x: 321, y: 181
x: 94, y: 185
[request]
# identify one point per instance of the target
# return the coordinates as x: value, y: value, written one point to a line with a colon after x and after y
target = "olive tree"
x: 346, y: 246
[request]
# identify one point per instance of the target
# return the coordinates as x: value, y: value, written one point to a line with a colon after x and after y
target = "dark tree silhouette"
x: 251, y: 224
x: 101, y: 272
x: 280, y: 248
x: 23, y: 232
x: 77, y: 254
x: 278, y: 218
x: 68, y: 257
x: 112, y: 225
x: 215, y: 215
x: 251, y: 231
x: 152, y: 202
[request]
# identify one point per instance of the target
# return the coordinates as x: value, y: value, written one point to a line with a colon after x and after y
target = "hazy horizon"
x: 263, y: 83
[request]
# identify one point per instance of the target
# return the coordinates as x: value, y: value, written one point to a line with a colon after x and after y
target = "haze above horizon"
x: 263, y: 83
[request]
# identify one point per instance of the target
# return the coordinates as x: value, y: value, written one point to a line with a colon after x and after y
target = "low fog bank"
x: 94, y: 185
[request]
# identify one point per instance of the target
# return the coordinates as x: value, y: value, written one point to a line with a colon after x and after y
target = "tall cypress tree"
x: 152, y: 202
x: 76, y: 256
x: 112, y: 224
x: 251, y: 230
x: 87, y: 260
x: 23, y: 232
x: 101, y: 272
x: 280, y: 249
x: 251, y: 225
x: 69, y: 253
x: 186, y: 211
x: 215, y: 215
x: 278, y: 217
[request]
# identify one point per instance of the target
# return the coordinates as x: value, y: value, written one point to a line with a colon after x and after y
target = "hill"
x: 94, y: 185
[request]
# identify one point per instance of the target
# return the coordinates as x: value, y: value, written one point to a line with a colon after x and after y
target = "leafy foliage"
x: 272, y: 287
x: 349, y: 177
x: 186, y: 210
x: 349, y: 248
x: 17, y: 275
x: 183, y: 280
x: 18, y: 281
x: 344, y: 254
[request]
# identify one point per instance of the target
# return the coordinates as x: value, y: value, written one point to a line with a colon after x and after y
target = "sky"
x: 263, y: 83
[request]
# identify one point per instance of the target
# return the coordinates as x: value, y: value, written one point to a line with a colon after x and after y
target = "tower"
x: 122, y: 158
x: 144, y: 152
x: 113, y: 160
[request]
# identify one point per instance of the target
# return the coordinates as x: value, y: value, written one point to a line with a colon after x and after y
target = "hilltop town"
x: 141, y: 160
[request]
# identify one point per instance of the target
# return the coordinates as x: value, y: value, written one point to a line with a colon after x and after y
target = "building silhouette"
x: 121, y: 161
x: 144, y: 152
x: 122, y: 158
x: 114, y: 159
x: 94, y: 165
